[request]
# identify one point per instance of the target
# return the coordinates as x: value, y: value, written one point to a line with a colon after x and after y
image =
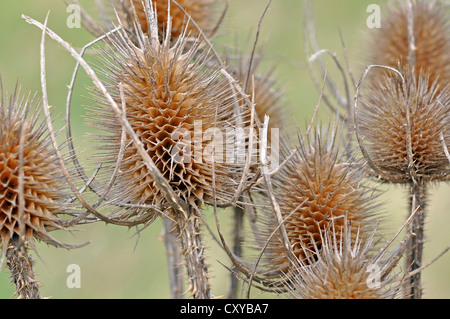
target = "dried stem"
x: 88, y: 22
x: 432, y: 261
x: 20, y: 265
x: 389, y: 242
x: 416, y: 239
x: 173, y: 254
x: 238, y: 236
x: 188, y: 230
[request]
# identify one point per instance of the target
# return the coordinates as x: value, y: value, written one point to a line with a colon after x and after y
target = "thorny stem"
x: 20, y: 265
x: 416, y: 240
x: 188, y: 228
x: 237, y: 247
x: 173, y: 259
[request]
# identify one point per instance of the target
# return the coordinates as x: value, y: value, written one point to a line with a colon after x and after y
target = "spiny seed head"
x: 31, y: 183
x: 315, y: 189
x: 201, y: 11
x: 345, y: 268
x: 404, y: 125
x: 391, y: 43
x: 177, y: 102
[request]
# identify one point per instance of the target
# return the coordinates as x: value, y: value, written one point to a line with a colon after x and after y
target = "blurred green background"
x: 117, y: 264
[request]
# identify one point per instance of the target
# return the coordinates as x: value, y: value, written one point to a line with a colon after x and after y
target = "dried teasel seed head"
x: 32, y: 191
x: 346, y: 268
x: 177, y: 102
x: 201, y: 11
x: 431, y: 37
x: 402, y: 122
x: 316, y: 188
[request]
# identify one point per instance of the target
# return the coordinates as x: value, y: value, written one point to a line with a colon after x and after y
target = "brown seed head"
x: 317, y: 188
x: 346, y: 268
x: 391, y: 43
x: 201, y: 11
x: 403, y: 125
x: 177, y: 103
x: 42, y: 181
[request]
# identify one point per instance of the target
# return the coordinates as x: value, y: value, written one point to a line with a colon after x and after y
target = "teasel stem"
x: 20, y: 265
x: 237, y: 247
x: 173, y: 259
x: 188, y: 230
x: 416, y: 240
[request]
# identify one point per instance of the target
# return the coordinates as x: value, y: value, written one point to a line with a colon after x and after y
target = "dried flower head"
x: 316, y: 188
x: 402, y: 122
x: 32, y: 191
x: 177, y: 102
x: 431, y: 36
x: 180, y: 11
x: 346, y: 268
